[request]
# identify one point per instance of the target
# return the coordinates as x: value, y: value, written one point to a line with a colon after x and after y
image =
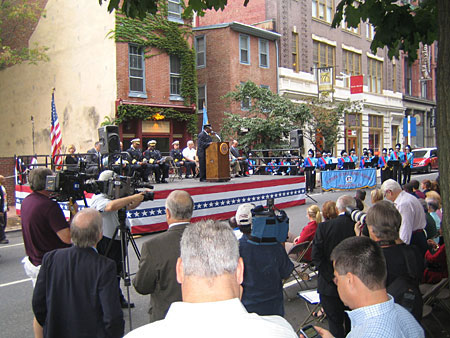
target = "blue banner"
x: 349, y: 179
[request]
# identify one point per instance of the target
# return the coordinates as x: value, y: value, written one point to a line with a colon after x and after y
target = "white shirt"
x: 189, y: 154
x: 413, y: 215
x: 227, y: 319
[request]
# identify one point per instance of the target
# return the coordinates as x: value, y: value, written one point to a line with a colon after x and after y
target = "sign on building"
x: 356, y: 84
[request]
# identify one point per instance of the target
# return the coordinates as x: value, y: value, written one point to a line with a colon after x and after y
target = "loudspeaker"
x: 109, y: 139
x: 296, y: 138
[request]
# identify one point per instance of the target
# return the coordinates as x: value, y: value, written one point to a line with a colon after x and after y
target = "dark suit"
x: 92, y: 162
x: 204, y: 141
x: 328, y: 235
x: 156, y: 274
x: 76, y: 295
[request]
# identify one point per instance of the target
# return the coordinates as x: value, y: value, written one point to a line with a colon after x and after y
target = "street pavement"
x: 16, y: 289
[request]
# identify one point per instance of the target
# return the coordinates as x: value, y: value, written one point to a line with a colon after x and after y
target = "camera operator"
x: 265, y: 268
x: 109, y: 210
x: 44, y: 226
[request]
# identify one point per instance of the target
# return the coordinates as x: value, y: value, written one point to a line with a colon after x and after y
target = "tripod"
x: 125, y: 237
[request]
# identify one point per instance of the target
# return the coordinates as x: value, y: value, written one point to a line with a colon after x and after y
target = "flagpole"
x: 32, y: 132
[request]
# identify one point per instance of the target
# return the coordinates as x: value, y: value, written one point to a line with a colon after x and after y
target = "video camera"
x: 356, y: 215
x: 68, y: 184
x: 269, y: 225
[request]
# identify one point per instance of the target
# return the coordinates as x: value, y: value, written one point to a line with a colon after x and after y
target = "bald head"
x: 180, y: 205
x: 344, y: 202
x: 86, y: 228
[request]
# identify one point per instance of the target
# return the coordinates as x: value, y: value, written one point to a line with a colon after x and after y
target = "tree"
x: 17, y: 20
x: 325, y: 118
x: 404, y: 27
x: 268, y: 120
x: 140, y: 8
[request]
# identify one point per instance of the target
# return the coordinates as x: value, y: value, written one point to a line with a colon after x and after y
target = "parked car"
x: 425, y: 159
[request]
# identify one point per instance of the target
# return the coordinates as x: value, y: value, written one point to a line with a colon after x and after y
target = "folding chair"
x: 299, y: 273
x: 174, y: 171
x: 312, y: 303
x: 433, y: 296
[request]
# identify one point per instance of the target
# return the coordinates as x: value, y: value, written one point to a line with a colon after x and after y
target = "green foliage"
x: 15, y: 19
x: 268, y: 120
x: 397, y: 26
x: 127, y: 112
x: 156, y: 32
x: 325, y: 119
x: 108, y: 121
x: 140, y: 8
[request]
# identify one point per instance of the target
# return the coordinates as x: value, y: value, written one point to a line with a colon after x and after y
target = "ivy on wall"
x: 157, y: 32
x: 127, y: 112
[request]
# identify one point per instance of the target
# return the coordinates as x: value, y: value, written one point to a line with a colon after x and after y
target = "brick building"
x: 308, y: 42
x: 250, y: 53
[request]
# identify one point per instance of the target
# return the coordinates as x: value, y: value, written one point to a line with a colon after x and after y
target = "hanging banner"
x: 349, y: 179
x: 356, y: 84
x: 325, y: 79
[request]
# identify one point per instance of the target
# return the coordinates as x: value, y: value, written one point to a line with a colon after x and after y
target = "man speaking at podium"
x: 204, y: 140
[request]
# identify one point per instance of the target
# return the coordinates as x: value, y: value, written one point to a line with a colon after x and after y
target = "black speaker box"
x: 109, y: 139
x: 296, y: 138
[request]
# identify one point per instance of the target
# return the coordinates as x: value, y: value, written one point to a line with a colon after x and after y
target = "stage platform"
x: 212, y: 200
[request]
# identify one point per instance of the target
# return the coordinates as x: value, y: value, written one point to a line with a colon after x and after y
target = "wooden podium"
x: 218, y: 162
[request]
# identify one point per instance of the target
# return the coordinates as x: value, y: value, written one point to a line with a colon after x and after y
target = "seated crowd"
x: 203, y: 278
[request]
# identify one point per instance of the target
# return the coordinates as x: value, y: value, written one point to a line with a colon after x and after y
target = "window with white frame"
x: 295, y: 58
x: 136, y: 70
x: 370, y: 31
x: 264, y: 53
x: 346, y: 27
x: 201, y: 100
x: 323, y: 10
x: 200, y: 48
x: 375, y: 75
x: 175, y: 76
x: 174, y: 11
x: 246, y: 102
x: 244, y: 49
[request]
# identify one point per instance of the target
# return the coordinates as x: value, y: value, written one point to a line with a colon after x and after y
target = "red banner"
x: 356, y: 84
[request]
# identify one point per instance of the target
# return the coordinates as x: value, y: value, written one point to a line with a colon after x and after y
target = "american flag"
x: 55, y: 134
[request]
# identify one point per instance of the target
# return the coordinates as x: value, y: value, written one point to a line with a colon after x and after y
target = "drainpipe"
x: 278, y: 78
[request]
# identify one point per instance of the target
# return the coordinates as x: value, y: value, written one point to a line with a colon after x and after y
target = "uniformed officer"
x: 364, y: 160
x: 310, y: 165
x: 383, y: 165
x: 177, y: 156
x: 322, y: 161
x: 397, y: 155
x: 137, y: 160
x: 343, y: 159
x: 409, y: 159
x: 353, y: 156
x: 156, y: 162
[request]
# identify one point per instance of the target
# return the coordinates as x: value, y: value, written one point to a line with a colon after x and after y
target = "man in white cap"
x: 177, y: 156
x: 137, y: 160
x: 156, y: 162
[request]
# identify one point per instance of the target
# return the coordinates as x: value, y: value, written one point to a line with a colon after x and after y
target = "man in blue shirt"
x: 397, y: 155
x: 310, y: 164
x: 407, y: 164
x: 383, y: 165
x: 360, y: 276
x: 266, y: 266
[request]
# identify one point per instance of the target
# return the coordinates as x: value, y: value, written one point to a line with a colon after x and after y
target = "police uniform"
x: 136, y: 160
x: 409, y: 159
x: 204, y: 140
x: 154, y: 160
x: 177, y: 156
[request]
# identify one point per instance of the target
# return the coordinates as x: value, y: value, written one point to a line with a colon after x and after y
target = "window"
x: 370, y: 31
x: 200, y: 48
x: 323, y: 55
x: 349, y: 29
x: 201, y: 98
x: 351, y: 65
x: 136, y: 71
x: 295, y: 65
x: 323, y: 10
x: 408, y: 78
x: 423, y: 89
x: 263, y: 53
x: 244, y: 49
x: 394, y: 76
x: 246, y: 102
x: 175, y: 77
x: 174, y: 11
x: 375, y: 75
x: 376, y: 133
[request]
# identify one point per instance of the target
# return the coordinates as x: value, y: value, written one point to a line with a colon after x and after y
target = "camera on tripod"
x: 269, y: 225
x: 68, y: 184
x: 356, y: 215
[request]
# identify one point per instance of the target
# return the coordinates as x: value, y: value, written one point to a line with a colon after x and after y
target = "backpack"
x: 405, y: 289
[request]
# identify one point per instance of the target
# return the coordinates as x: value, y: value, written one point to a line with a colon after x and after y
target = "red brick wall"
x: 235, y: 11
x: 7, y: 166
x: 223, y: 71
